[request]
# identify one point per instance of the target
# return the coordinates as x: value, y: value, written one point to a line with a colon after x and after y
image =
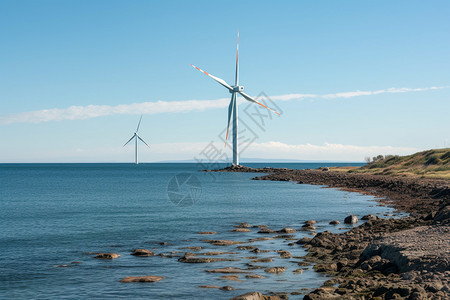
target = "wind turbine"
x: 136, y: 137
x: 232, y: 108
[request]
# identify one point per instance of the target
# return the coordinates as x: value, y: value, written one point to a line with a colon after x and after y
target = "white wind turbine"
x: 232, y: 108
x: 136, y: 137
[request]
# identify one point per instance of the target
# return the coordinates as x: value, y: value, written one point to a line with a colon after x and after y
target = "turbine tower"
x: 232, y: 108
x: 136, y: 137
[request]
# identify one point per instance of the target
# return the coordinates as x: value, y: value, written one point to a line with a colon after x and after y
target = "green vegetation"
x: 430, y: 164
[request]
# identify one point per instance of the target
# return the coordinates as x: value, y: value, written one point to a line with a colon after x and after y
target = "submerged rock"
x: 142, y: 279
x: 275, y: 270
x: 227, y: 270
x: 227, y: 288
x: 334, y: 222
x: 231, y: 277
x: 107, y: 255
x: 369, y: 217
x: 254, y: 276
x: 207, y: 232
x: 142, y: 252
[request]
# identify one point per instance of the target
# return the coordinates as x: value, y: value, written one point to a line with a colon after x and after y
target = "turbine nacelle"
x: 237, y: 89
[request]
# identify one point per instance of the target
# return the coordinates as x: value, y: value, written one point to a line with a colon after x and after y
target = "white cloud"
x: 93, y: 111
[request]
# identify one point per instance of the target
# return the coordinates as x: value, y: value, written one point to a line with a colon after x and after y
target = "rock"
x: 246, y: 247
x: 266, y: 230
x: 227, y: 288
x: 287, y: 230
x: 334, y: 222
x: 303, y: 263
x: 369, y: 217
x: 209, y: 286
x: 231, y: 277
x: 298, y: 271
x: 352, y: 219
x: 304, y: 240
x: 308, y: 227
x: 142, y: 279
x: 265, y: 259
x: 193, y: 259
x: 255, y: 296
x: 284, y: 254
x: 193, y: 248
x: 227, y: 270
x: 241, y: 230
x: 142, y: 252
x: 107, y: 255
x: 164, y: 243
x: 254, y: 276
x: 310, y: 222
x: 207, y: 232
x: 243, y: 225
x: 275, y: 270
x: 443, y: 215
x: 222, y: 242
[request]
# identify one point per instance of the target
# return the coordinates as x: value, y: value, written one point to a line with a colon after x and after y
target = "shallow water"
x: 51, y: 214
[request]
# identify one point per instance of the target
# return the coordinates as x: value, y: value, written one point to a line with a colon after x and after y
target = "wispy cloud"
x: 93, y: 111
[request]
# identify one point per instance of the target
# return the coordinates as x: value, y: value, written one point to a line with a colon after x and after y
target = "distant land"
x: 268, y: 160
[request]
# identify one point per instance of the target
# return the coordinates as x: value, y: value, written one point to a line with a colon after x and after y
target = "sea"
x: 54, y: 217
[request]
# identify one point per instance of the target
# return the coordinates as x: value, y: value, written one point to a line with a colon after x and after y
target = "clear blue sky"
x: 59, y: 54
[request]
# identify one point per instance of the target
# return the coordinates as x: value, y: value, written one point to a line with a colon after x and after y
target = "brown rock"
x: 287, y: 230
x: 284, y: 254
x: 352, y: 219
x: 254, y: 276
x: 142, y: 279
x: 209, y: 286
x: 223, y: 242
x: 275, y: 270
x: 227, y: 270
x: 241, y: 230
x: 310, y: 222
x: 207, y: 232
x: 107, y: 255
x: 334, y: 222
x: 142, y: 252
x: 231, y: 277
x: 227, y: 288
x: 255, y: 296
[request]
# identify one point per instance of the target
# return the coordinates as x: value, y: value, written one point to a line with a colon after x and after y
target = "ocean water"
x: 54, y: 214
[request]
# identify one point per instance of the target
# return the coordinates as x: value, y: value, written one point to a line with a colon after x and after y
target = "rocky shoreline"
x: 407, y: 258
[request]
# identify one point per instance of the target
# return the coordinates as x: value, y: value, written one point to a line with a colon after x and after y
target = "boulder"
x: 298, y: 271
x: 255, y: 296
x: 227, y: 288
x: 222, y: 242
x: 284, y: 254
x: 107, y: 255
x: 334, y: 222
x: 310, y: 222
x: 304, y: 240
x: 142, y: 252
x: 287, y: 230
x: 207, y: 232
x: 142, y: 279
x: 352, y: 219
x: 266, y: 230
x: 209, y: 286
x: 243, y: 225
x: 443, y: 215
x: 369, y: 217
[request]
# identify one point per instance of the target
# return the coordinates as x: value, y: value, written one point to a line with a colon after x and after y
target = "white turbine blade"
x: 129, y: 140
x: 230, y: 111
x: 247, y: 97
x: 237, y: 62
x: 142, y: 141
x: 139, y: 124
x: 221, y: 81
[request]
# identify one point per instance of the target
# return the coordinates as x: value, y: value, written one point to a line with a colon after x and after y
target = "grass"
x: 427, y: 164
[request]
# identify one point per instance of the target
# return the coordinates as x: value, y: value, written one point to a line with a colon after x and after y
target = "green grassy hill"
x: 430, y: 163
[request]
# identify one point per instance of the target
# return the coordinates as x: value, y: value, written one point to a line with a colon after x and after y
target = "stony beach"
x: 406, y: 258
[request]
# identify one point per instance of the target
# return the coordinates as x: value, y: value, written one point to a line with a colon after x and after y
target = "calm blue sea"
x: 52, y: 214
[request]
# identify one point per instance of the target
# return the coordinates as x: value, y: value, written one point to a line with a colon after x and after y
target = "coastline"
x: 406, y: 258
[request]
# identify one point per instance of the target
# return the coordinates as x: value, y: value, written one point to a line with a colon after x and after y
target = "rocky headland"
x: 406, y: 258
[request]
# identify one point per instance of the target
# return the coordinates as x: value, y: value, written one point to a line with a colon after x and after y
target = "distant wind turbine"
x: 136, y: 137
x: 232, y: 108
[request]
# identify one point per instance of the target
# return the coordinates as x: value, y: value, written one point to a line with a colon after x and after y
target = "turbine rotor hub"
x: 238, y: 88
